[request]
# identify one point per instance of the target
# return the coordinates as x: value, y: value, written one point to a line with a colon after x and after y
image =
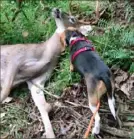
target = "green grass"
x: 114, y: 46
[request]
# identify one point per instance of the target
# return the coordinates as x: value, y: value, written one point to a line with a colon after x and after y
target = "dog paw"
x: 113, y: 100
x: 71, y: 68
x: 98, y: 136
x: 95, y: 130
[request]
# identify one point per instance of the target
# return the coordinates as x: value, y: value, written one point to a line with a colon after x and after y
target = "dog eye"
x: 74, y: 34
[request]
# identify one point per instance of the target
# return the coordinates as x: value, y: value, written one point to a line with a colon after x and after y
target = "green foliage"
x: 116, y: 44
x: 62, y: 77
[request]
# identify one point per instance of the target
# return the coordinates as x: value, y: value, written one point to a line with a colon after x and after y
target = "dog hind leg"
x: 111, y: 100
x: 96, y: 128
x: 93, y: 99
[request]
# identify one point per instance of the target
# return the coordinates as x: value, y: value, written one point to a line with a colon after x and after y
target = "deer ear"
x: 85, y: 29
x: 63, y: 41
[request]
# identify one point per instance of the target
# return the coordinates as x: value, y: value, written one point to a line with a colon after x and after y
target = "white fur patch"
x: 60, y: 26
x: 72, y: 38
x: 96, y: 128
x: 111, y: 103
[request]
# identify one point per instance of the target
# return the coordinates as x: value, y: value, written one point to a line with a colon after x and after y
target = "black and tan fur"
x: 97, y: 74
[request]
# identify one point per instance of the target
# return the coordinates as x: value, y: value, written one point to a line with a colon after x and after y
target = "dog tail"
x: 111, y: 101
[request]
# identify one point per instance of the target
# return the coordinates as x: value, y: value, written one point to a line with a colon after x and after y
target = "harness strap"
x: 81, y: 50
x: 78, y: 39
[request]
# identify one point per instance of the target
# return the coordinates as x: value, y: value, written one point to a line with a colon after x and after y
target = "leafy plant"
x: 116, y: 44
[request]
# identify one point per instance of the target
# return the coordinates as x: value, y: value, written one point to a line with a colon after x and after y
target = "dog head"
x: 69, y: 34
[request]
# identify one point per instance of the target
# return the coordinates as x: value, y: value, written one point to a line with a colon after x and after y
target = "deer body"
x: 33, y: 64
x: 31, y: 60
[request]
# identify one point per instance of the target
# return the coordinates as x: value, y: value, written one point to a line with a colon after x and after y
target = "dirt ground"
x: 70, y: 115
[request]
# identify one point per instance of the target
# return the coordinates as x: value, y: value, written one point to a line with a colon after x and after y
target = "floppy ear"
x: 63, y: 41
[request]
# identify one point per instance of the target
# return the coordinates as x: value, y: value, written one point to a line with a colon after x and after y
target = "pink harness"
x: 82, y: 49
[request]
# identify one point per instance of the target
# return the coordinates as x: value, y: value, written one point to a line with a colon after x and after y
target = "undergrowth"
x: 115, y: 45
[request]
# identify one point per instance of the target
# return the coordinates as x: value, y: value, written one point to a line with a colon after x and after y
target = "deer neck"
x: 60, y: 26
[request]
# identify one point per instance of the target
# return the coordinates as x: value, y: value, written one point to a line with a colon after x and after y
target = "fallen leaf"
x: 121, y: 76
x: 64, y: 128
x: 25, y: 34
x: 5, y: 136
x: 7, y: 100
x: 2, y: 115
x: 128, y: 87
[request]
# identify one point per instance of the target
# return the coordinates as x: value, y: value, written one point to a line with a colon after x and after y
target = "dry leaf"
x: 64, y: 128
x: 25, y: 34
x: 121, y: 76
x: 128, y: 86
x: 5, y: 136
x: 7, y: 100
x: 2, y: 115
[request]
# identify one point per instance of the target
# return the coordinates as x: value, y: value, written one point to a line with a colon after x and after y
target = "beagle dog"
x: 97, y: 75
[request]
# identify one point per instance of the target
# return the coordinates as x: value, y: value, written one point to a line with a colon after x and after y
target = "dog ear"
x: 63, y: 41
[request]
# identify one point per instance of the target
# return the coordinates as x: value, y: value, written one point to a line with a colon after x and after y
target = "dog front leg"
x: 71, y: 66
x: 43, y: 106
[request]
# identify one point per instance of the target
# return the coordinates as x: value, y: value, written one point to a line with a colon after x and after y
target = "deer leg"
x: 43, y: 106
x: 8, y: 81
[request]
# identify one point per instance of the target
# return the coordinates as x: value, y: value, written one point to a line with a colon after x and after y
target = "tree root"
x: 116, y: 132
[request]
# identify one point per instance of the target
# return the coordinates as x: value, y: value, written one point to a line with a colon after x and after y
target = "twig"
x: 76, y: 105
x: 15, y: 15
x: 50, y: 94
x: 7, y: 17
x: 118, y: 119
x: 128, y: 124
x: 25, y: 15
x: 116, y: 132
x: 19, y: 9
x: 98, y: 15
x: 74, y: 113
x: 97, y: 10
x: 70, y: 5
x: 42, y: 4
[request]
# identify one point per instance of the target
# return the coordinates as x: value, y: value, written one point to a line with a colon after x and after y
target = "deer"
x: 33, y: 64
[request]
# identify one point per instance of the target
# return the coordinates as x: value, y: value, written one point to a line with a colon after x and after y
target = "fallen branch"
x: 116, y: 132
x: 50, y: 94
x: 92, y: 22
x: 128, y: 124
x: 97, y: 10
x: 70, y: 7
x: 76, y: 105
